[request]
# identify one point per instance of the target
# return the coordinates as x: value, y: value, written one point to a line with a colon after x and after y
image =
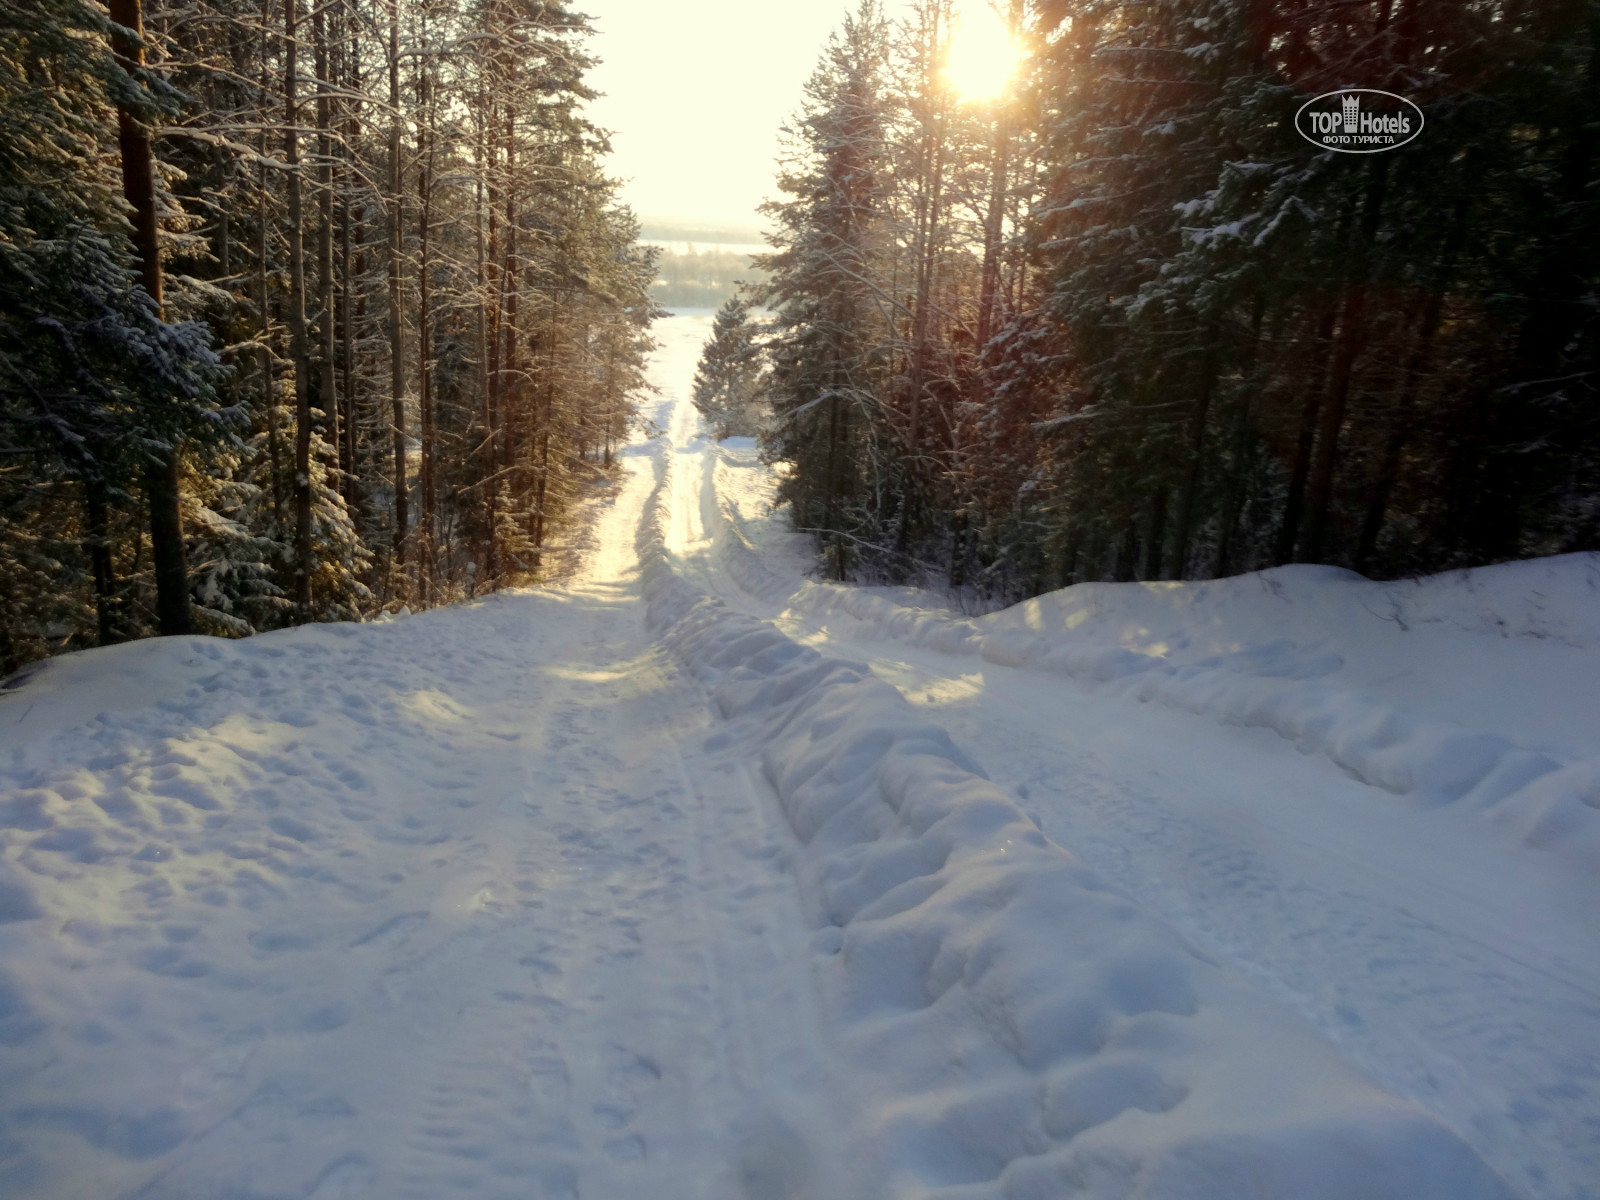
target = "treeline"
x: 1126, y: 323
x: 308, y: 309
x: 699, y: 277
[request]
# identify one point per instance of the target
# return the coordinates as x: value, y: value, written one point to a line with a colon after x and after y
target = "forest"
x: 318, y: 310
x: 308, y: 310
x: 1124, y: 322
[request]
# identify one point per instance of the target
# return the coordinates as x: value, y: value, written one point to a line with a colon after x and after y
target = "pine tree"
x: 825, y: 378
x: 446, y: 259
x: 96, y: 387
x: 728, y: 383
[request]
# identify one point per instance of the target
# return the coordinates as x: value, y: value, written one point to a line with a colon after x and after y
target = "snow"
x: 1388, y: 680
x: 450, y: 905
x: 1459, y: 968
x: 688, y: 879
x: 1029, y: 1031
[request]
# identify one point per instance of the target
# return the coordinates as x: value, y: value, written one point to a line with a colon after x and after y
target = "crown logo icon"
x: 1352, y: 112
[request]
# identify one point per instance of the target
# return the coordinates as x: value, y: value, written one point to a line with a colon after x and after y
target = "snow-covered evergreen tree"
x: 94, y: 383
x: 729, y: 381
x: 825, y: 378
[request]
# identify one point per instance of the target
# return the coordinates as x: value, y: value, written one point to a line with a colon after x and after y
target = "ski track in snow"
x: 488, y: 903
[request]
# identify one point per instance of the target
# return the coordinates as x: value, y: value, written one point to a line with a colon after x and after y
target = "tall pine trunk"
x: 397, y: 364
x: 299, y: 345
x: 994, y: 218
x: 161, y: 472
x: 98, y: 527
x: 429, y: 524
x: 351, y: 271
x: 1352, y: 328
x: 489, y: 567
x: 511, y: 388
x: 1401, y: 417
x: 327, y: 393
x: 269, y: 405
x: 1294, y: 505
x: 1188, y: 496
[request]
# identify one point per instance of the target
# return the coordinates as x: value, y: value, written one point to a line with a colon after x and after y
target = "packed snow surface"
x: 697, y: 878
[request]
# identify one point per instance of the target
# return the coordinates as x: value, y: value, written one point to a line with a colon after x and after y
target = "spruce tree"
x: 728, y: 382
x: 96, y: 386
x: 825, y: 377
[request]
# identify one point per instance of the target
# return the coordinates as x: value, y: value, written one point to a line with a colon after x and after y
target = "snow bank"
x: 1025, y: 1033
x: 1385, y: 679
x: 742, y: 560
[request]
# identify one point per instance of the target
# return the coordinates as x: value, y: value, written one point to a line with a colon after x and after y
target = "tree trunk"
x: 1289, y: 530
x: 542, y: 435
x: 1233, y: 503
x: 269, y: 406
x: 511, y: 387
x: 1128, y: 551
x: 489, y: 567
x: 299, y: 345
x: 161, y: 473
x: 994, y: 219
x: 925, y: 249
x: 97, y: 524
x: 397, y: 364
x: 428, y: 527
x: 1240, y: 440
x: 1183, y: 523
x: 349, y: 404
x: 493, y: 285
x: 1352, y: 327
x: 352, y: 268
x: 1389, y: 468
x: 327, y: 391
x: 1155, y: 534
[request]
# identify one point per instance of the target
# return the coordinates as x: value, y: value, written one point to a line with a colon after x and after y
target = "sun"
x: 982, y: 56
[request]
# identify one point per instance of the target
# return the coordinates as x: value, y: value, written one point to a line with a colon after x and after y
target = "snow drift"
x: 1030, y: 1033
x: 1385, y: 679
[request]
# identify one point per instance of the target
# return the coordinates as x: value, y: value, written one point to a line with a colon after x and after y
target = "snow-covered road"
x: 451, y: 906
x: 507, y: 901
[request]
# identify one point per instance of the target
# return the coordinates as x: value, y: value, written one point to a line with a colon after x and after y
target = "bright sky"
x: 696, y: 91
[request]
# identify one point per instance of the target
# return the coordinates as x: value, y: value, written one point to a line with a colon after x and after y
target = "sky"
x: 695, y: 93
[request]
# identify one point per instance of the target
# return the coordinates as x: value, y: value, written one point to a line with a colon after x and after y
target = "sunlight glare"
x: 982, y: 56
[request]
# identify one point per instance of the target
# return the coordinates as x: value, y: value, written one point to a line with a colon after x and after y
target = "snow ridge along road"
x: 1030, y: 1034
x: 491, y: 902
x: 1458, y: 968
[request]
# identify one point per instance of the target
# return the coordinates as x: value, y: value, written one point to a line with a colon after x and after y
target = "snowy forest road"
x: 543, y: 898
x: 1461, y: 973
